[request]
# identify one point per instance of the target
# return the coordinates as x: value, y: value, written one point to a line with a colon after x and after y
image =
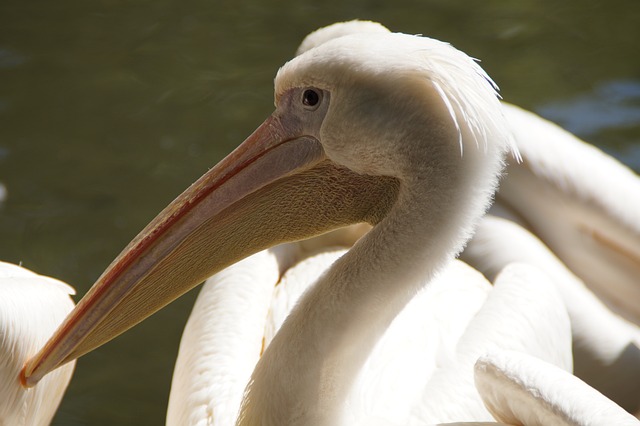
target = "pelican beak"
x: 277, y: 186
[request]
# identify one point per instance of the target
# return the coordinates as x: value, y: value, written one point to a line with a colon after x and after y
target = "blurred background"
x: 110, y: 108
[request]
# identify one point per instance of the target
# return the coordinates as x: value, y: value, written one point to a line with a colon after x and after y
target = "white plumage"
x: 521, y: 389
x: 31, y: 307
x: 582, y: 203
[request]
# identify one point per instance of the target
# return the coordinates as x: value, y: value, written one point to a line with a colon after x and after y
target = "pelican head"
x: 361, y: 122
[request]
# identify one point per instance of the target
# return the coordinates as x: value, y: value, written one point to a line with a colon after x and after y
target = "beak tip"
x: 28, y: 375
x: 24, y: 380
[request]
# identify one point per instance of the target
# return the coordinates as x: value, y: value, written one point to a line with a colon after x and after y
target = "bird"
x: 582, y: 203
x: 31, y: 307
x: 423, y: 176
x: 323, y: 160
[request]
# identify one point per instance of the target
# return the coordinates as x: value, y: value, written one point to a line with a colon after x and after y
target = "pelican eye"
x: 311, y: 98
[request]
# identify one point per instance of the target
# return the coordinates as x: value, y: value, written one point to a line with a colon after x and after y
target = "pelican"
x: 346, y: 144
x: 403, y: 132
x: 581, y: 203
x: 31, y: 307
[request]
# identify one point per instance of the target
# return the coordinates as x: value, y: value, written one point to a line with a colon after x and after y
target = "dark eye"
x: 311, y: 98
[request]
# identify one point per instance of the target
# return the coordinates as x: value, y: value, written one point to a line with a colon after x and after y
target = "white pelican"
x: 418, y: 155
x: 31, y: 307
x: 403, y: 132
x: 581, y: 203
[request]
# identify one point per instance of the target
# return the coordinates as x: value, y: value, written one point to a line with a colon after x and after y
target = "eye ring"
x: 311, y: 98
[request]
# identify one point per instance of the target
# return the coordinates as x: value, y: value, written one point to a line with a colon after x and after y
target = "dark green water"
x: 109, y: 109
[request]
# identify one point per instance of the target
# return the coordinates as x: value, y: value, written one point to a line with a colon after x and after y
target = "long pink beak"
x: 277, y: 186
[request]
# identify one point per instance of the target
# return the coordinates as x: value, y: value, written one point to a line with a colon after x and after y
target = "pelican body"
x: 31, y: 307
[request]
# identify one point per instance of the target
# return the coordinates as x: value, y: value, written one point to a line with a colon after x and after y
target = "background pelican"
x: 582, y: 203
x: 31, y: 307
x: 442, y: 165
x: 520, y: 389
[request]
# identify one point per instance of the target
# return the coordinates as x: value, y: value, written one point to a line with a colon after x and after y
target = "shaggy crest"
x: 469, y: 94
